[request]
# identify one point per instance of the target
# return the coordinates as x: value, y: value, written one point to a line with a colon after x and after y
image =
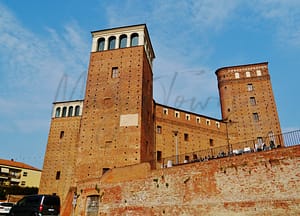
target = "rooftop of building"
x: 12, y: 163
x: 241, y: 66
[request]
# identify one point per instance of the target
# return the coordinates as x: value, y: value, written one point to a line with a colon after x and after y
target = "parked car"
x: 5, y: 207
x: 40, y: 205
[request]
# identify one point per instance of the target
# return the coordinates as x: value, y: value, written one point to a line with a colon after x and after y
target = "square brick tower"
x: 117, y: 119
x: 248, y: 105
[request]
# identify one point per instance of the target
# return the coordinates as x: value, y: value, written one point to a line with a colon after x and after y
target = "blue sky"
x: 44, y: 42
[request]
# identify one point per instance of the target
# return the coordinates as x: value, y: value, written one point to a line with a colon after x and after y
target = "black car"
x: 37, y: 205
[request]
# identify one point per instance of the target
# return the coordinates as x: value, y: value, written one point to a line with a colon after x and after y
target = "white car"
x: 5, y: 207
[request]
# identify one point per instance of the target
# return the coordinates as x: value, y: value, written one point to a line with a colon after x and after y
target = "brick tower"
x: 247, y: 103
x: 117, y: 119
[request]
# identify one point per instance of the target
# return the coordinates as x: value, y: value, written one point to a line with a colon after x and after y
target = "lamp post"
x: 176, y: 145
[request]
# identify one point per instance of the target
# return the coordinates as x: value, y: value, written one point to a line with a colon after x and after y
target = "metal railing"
x: 267, y: 143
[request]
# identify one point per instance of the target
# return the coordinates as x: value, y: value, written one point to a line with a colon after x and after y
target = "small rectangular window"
x: 207, y: 122
x: 158, y: 129
x: 218, y: 124
x: 62, y: 134
x: 177, y: 114
x: 252, y: 101
x: 158, y: 156
x: 237, y: 75
x: 250, y: 87
x: 248, y: 74
x: 23, y: 183
x: 104, y: 170
x: 255, y: 117
x: 57, y: 177
x: 115, y: 72
x: 258, y: 72
x: 25, y: 173
x: 198, y: 119
x: 165, y: 111
x: 187, y: 117
x: 186, y: 137
x: 211, y: 142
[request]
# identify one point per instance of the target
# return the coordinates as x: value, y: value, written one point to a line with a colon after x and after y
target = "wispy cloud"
x: 32, y: 66
x: 285, y: 17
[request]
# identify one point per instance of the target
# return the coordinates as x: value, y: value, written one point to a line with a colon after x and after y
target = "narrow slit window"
x: 62, y: 134
x: 57, y: 177
x: 186, y: 137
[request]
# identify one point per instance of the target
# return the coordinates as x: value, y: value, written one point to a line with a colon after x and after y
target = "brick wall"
x: 264, y: 183
x: 60, y: 158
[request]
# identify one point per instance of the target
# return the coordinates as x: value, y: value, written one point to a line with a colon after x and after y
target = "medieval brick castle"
x: 118, y: 125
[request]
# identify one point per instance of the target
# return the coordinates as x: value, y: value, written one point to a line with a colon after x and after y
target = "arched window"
x: 77, y: 110
x: 70, y: 112
x: 123, y: 41
x: 101, y: 42
x: 64, y: 112
x: 134, y: 40
x: 57, y: 112
x: 112, y: 42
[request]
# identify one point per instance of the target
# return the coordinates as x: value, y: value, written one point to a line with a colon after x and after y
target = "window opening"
x: 252, y: 101
x: 198, y: 119
x: 186, y: 137
x: 104, y: 170
x: 57, y: 177
x: 70, y: 112
x: 158, y: 156
x: 123, y: 41
x: 177, y: 114
x: 158, y: 129
x: 112, y: 43
x: 237, y: 75
x: 77, y: 110
x: 64, y: 112
x: 92, y: 205
x: 248, y: 74
x: 187, y: 117
x: 114, y: 72
x: 258, y: 72
x: 207, y: 122
x: 57, y: 112
x: 62, y: 134
x: 101, y: 42
x: 255, y: 117
x: 165, y: 110
x: 250, y: 87
x: 211, y: 142
x: 134, y: 39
